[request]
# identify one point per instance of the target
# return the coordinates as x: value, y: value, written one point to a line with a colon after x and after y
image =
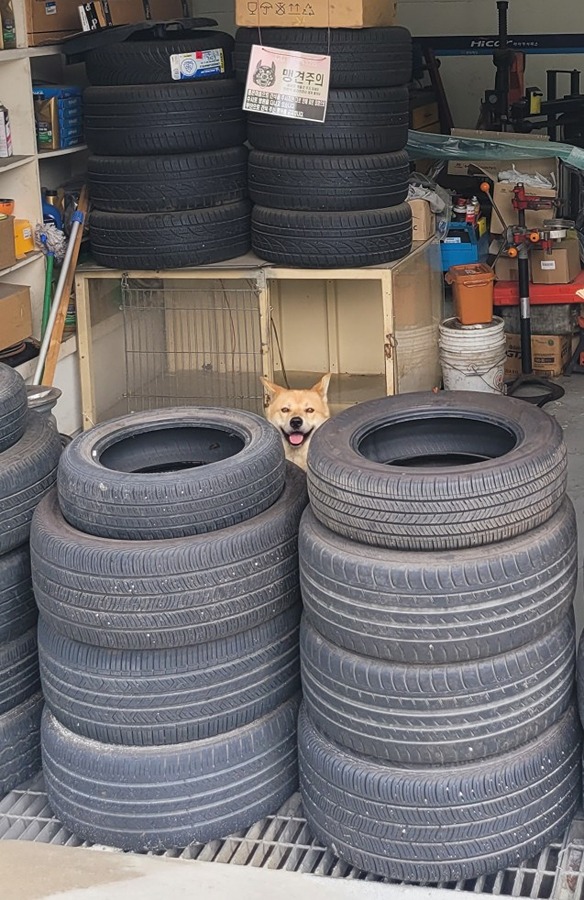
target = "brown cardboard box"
x: 503, y: 198
x: 550, y: 353
x: 506, y: 269
x: 48, y: 21
x: 7, y: 254
x: 423, y: 220
x: 560, y: 266
x: 316, y: 14
x: 15, y: 314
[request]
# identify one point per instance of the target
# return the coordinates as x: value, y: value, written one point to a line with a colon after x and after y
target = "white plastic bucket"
x: 472, y: 357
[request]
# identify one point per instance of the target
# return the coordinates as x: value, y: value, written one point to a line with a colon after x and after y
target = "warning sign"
x: 287, y: 83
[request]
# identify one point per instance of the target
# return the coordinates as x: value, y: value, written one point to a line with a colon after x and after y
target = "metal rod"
x: 525, y: 311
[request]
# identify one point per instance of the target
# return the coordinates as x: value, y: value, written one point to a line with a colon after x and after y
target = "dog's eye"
x: 285, y: 409
x: 309, y: 410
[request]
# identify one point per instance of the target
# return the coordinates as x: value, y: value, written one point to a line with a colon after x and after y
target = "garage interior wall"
x: 467, y: 78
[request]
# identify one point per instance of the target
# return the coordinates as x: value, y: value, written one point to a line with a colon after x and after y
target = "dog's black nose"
x: 296, y: 423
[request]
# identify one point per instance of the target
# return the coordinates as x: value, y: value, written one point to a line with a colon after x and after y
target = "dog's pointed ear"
x: 272, y: 389
x: 321, y: 387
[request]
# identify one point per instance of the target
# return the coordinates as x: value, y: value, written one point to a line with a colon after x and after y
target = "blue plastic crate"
x: 462, y: 245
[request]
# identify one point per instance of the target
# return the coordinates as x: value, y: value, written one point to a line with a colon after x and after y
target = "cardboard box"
x: 503, y: 198
x: 49, y: 21
x: 550, y: 354
x: 506, y: 269
x: 15, y: 314
x: 561, y: 266
x: 423, y: 220
x: 7, y: 254
x: 316, y: 14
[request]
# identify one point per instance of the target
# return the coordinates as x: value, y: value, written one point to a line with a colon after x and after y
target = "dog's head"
x: 297, y: 413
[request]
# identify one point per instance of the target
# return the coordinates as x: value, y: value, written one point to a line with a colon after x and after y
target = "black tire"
x: 358, y: 121
x: 134, y: 595
x: 146, y: 120
x: 18, y: 610
x: 441, y: 824
x: 13, y: 407
x: 153, y: 798
x: 437, y: 471
x: 19, y: 670
x: 174, y: 695
x: 170, y: 240
x: 148, y: 62
x: 285, y: 181
x: 437, y: 608
x: 20, y: 743
x: 360, y: 57
x: 324, y: 240
x: 138, y: 184
x: 169, y: 473
x: 28, y: 470
x: 438, y: 714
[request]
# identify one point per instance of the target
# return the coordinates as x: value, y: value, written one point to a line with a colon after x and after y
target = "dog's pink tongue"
x: 295, y: 439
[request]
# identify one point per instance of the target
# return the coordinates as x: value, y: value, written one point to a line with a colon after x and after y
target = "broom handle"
x: 54, y: 332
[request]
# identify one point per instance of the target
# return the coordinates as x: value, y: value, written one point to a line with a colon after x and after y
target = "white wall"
x: 466, y: 78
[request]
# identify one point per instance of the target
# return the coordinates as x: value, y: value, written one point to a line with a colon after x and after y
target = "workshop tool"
x: 51, y: 343
x: 509, y: 78
x: 518, y: 242
x: 53, y: 243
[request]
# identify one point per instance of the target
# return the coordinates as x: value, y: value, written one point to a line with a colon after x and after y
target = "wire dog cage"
x: 194, y: 343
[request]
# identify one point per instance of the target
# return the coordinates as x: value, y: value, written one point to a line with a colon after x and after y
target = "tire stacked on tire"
x: 168, y: 183
x: 29, y: 453
x: 438, y: 738
x: 333, y: 194
x: 165, y: 569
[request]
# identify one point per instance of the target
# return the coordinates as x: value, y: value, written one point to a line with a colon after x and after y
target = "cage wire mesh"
x: 191, y: 343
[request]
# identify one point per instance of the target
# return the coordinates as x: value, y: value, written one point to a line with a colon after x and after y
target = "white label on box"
x: 200, y: 64
x: 548, y: 265
x: 287, y: 83
x: 452, y: 240
x: 51, y: 8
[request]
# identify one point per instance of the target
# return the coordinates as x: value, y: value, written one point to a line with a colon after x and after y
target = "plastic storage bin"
x: 472, y: 289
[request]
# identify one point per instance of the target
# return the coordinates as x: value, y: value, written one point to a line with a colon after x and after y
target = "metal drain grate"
x: 283, y: 841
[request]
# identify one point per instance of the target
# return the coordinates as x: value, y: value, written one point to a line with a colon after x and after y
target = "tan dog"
x: 297, y: 414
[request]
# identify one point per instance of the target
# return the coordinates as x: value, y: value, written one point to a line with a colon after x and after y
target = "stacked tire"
x: 165, y: 569
x: 168, y: 181
x: 439, y: 738
x: 333, y: 194
x: 29, y: 453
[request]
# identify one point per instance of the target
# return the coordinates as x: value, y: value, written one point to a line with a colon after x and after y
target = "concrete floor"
x: 31, y: 871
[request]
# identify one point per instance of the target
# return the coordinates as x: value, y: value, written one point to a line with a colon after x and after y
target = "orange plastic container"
x: 473, y: 287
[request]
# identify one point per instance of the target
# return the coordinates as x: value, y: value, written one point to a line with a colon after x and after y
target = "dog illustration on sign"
x: 265, y: 76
